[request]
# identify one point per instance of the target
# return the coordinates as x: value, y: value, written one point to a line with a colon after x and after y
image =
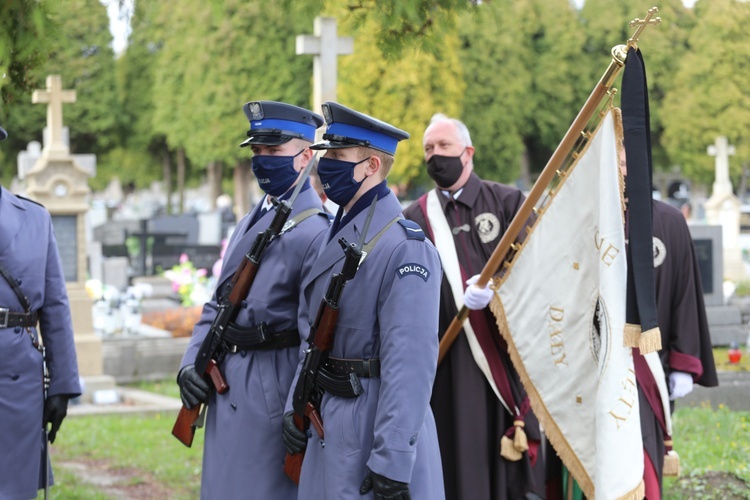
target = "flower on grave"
x: 94, y: 289
x: 189, y: 283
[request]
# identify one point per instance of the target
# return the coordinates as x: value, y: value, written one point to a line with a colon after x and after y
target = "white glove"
x: 475, y: 297
x: 680, y: 385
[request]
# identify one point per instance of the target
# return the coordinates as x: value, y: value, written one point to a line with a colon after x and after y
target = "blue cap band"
x: 307, y: 131
x: 377, y: 140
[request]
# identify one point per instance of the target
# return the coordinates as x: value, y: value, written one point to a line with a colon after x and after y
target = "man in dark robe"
x: 471, y: 419
x: 686, y: 355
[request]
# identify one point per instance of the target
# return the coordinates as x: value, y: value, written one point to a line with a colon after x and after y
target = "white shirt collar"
x: 447, y: 194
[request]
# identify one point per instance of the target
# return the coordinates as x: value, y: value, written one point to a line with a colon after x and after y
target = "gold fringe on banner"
x: 631, y: 336
x: 551, y: 430
x: 650, y: 341
x: 637, y: 494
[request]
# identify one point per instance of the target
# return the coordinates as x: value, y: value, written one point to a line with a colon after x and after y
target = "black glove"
x: 193, y: 389
x: 295, y: 440
x: 55, y: 409
x: 384, y: 488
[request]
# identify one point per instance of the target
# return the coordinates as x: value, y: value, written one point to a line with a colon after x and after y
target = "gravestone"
x: 723, y: 208
x: 60, y: 183
x: 724, y: 321
x: 325, y: 45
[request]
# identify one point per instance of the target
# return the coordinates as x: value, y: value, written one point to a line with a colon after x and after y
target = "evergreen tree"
x: 405, y: 92
x: 663, y: 46
x: 524, y: 85
x: 710, y: 96
x: 84, y: 59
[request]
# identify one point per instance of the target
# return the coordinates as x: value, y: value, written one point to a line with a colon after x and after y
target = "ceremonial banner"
x: 560, y: 305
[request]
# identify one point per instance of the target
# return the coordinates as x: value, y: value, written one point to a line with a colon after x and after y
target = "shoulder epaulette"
x: 413, y: 231
x: 30, y: 200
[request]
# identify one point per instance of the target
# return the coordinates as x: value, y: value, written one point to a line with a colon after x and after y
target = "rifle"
x: 307, y: 396
x: 212, y: 349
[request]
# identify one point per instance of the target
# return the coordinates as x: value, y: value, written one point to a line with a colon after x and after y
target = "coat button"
x: 20, y: 282
x: 412, y: 440
x: 243, y: 353
x: 14, y: 377
x: 234, y: 406
x: 17, y: 329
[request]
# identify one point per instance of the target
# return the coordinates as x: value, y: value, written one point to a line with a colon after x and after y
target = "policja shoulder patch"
x: 413, y: 269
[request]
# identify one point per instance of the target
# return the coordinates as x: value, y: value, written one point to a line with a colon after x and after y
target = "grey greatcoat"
x: 243, y: 453
x: 388, y: 311
x: 28, y: 251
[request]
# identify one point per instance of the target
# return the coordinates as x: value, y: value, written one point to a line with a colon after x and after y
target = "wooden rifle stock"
x: 184, y: 426
x: 293, y: 463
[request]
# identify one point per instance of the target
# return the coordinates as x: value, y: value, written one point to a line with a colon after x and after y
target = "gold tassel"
x: 650, y: 341
x: 631, y: 335
x: 671, y: 460
x: 508, y: 450
x: 519, y: 439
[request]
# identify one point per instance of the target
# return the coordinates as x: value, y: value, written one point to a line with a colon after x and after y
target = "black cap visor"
x: 270, y: 137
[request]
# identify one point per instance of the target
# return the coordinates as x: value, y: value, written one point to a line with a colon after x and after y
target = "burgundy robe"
x: 686, y: 342
x: 470, y: 419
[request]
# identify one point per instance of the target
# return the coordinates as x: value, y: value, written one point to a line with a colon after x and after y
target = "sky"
x: 119, y: 20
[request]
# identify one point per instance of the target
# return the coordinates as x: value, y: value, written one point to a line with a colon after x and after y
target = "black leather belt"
x: 340, y: 377
x: 366, y: 368
x: 260, y: 338
x: 10, y: 319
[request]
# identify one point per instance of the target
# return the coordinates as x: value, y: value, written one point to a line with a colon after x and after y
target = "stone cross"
x: 325, y: 45
x: 721, y: 149
x: 54, y: 96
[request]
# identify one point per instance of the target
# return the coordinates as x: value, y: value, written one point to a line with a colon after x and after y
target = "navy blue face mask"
x: 275, y: 174
x: 337, y: 177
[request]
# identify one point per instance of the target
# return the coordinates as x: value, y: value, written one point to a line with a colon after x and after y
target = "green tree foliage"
x: 524, y: 85
x: 405, y: 92
x: 663, y: 47
x: 25, y: 34
x: 710, y: 96
x: 86, y: 64
x: 138, y: 155
x: 213, y: 59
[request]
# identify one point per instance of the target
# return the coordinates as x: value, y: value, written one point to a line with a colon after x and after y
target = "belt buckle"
x: 263, y: 332
x: 4, y: 322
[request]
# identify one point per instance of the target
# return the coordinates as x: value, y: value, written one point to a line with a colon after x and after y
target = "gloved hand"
x: 680, y: 385
x: 475, y: 297
x: 55, y: 409
x: 384, y: 488
x: 193, y: 389
x: 295, y: 440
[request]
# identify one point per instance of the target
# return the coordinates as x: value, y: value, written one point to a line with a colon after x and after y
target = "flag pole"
x: 555, y: 163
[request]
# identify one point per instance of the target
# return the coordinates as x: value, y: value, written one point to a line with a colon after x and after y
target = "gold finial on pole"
x: 641, y: 25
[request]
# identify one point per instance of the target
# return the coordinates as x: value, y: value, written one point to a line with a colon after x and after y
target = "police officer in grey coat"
x: 381, y: 443
x: 32, y: 292
x: 243, y: 453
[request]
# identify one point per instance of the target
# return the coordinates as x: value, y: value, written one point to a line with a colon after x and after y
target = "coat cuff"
x: 686, y: 363
x: 396, y: 459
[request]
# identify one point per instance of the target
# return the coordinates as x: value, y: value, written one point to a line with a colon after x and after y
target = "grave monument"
x: 60, y: 183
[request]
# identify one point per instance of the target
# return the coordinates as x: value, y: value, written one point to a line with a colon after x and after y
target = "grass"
x: 144, y: 443
x: 707, y: 440
x: 166, y: 387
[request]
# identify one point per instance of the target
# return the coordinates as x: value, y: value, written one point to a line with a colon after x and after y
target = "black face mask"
x: 445, y: 170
